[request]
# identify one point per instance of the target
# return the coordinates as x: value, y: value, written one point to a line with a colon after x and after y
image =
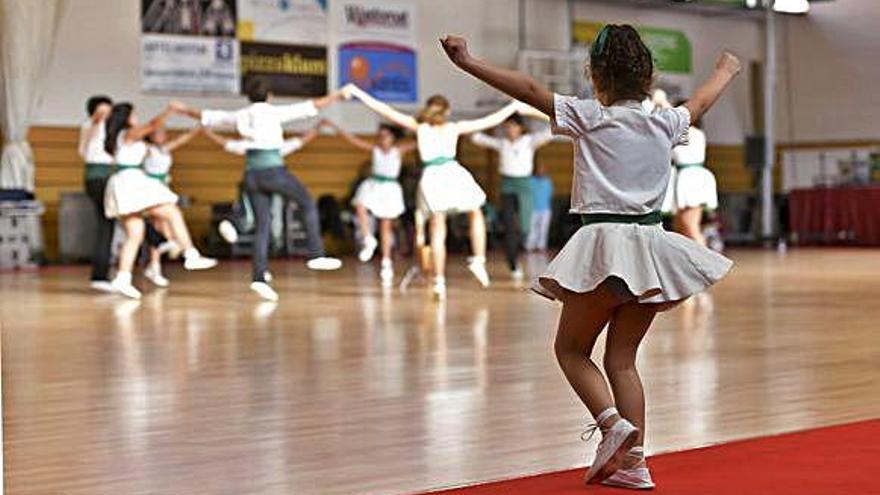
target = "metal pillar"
x: 767, y: 219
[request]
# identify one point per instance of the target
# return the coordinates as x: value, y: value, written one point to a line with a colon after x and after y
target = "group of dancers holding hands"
x: 617, y: 271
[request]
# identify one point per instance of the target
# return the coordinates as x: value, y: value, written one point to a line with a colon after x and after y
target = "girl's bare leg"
x: 171, y: 214
x: 583, y: 318
x: 478, y: 233
x: 438, y: 243
x: 386, y: 233
x: 363, y: 221
x: 688, y: 224
x: 628, y: 327
x: 134, y: 236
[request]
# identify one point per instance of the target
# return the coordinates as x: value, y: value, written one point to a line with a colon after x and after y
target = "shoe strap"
x: 604, y: 415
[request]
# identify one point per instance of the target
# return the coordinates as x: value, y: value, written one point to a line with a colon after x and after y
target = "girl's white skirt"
x: 449, y: 188
x: 132, y: 191
x: 695, y: 187
x: 657, y: 266
x: 384, y: 199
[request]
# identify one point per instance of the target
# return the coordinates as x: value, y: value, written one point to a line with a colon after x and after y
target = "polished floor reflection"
x: 343, y: 388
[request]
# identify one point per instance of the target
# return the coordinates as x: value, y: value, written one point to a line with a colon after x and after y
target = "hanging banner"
x: 292, y: 70
x: 189, y: 47
x: 296, y: 22
x: 377, y: 49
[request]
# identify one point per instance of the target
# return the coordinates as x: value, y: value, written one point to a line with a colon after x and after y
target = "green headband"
x: 601, y: 42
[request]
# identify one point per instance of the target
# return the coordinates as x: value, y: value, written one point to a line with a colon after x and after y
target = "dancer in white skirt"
x: 157, y: 165
x: 446, y: 187
x: 380, y: 194
x: 131, y: 195
x: 621, y: 267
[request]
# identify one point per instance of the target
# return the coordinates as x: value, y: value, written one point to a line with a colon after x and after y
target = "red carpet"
x: 840, y: 460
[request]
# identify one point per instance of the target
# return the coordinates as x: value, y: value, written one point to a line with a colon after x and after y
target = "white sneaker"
x: 386, y: 274
x: 368, y: 249
x: 477, y: 266
x: 439, y: 289
x: 122, y: 285
x: 193, y: 260
x: 227, y: 231
x: 612, y: 451
x: 169, y: 248
x: 102, y: 286
x: 154, y: 275
x: 324, y: 263
x: 633, y: 475
x: 517, y: 274
x: 265, y: 291
x: 267, y: 276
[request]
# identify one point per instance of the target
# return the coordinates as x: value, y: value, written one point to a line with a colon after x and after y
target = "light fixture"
x: 791, y: 6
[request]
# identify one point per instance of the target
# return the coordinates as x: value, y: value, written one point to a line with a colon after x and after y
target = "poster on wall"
x: 377, y: 49
x: 296, y: 22
x: 189, y: 46
x: 671, y: 49
x: 293, y: 70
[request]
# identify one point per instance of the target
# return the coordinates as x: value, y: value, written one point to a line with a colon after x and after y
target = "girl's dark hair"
x: 95, y: 101
x: 517, y: 119
x: 395, y: 131
x: 116, y: 123
x: 257, y: 89
x: 620, y: 64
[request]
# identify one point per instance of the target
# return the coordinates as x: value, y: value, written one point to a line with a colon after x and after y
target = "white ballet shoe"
x: 324, y: 263
x: 610, y: 454
x: 267, y: 276
x: 193, y: 260
x: 102, y: 286
x: 227, y: 231
x: 386, y: 274
x: 265, y: 291
x: 477, y: 266
x: 517, y: 274
x: 368, y: 249
x: 122, y: 285
x: 439, y: 289
x: 154, y: 275
x: 633, y: 475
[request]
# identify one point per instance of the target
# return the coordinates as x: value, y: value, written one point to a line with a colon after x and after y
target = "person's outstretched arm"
x: 142, y: 131
x: 351, y: 138
x: 727, y: 68
x: 182, y: 139
x: 516, y: 84
x: 213, y: 136
x: 486, y: 141
x: 489, y: 121
x: 383, y: 109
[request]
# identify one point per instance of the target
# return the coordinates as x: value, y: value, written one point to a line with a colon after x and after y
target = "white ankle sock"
x: 124, y: 277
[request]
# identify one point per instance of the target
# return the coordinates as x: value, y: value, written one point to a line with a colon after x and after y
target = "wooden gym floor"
x: 344, y: 389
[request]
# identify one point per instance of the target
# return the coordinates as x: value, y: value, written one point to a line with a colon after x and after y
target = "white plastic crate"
x: 21, y: 236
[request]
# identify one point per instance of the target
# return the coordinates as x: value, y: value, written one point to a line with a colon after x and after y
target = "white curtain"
x: 27, y: 39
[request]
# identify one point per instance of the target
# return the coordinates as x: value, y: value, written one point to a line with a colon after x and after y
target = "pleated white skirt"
x: 132, y: 191
x: 384, y: 199
x: 449, y: 188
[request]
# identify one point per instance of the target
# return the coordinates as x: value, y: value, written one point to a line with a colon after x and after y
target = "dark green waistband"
x: 440, y: 160
x: 123, y: 166
x: 383, y: 178
x: 680, y: 166
x: 262, y: 159
x: 99, y: 170
x: 653, y: 218
x: 159, y: 177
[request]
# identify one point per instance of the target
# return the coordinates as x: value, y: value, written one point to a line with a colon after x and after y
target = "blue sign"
x: 387, y: 72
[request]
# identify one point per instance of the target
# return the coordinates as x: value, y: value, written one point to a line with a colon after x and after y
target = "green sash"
x: 264, y: 159
x: 440, y: 160
x: 680, y: 166
x: 163, y: 178
x: 383, y: 178
x: 653, y: 218
x: 99, y: 170
x: 122, y: 166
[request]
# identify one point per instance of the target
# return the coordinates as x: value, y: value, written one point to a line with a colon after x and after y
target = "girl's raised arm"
x: 182, y: 139
x: 516, y: 84
x: 142, y: 131
x: 489, y: 121
x: 705, y: 96
x: 383, y: 109
x: 351, y: 138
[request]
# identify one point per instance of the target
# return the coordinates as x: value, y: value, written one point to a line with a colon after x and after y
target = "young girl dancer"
x: 621, y: 267
x: 157, y: 165
x: 380, y: 194
x: 131, y: 195
x: 445, y: 187
x: 516, y: 151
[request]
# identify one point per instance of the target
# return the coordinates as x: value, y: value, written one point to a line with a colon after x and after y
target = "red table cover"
x: 842, y: 215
